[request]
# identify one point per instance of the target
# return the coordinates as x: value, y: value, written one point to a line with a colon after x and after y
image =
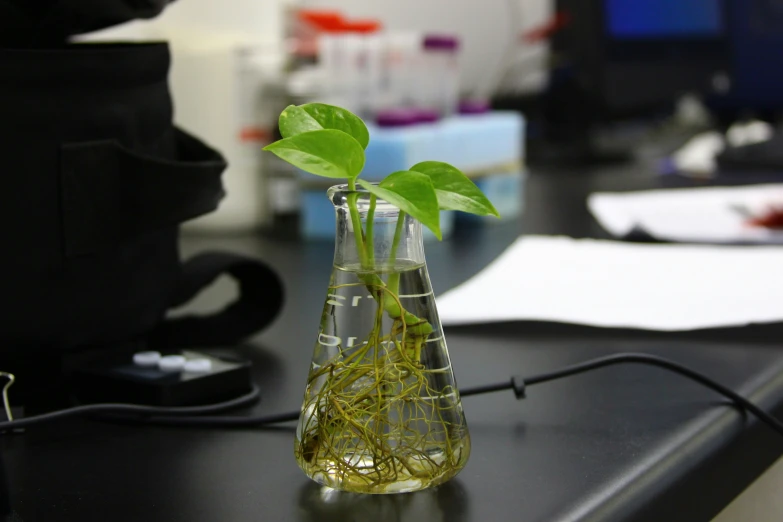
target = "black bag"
x: 95, y: 181
x: 50, y: 22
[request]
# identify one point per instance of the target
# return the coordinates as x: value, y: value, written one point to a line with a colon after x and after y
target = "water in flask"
x: 381, y: 412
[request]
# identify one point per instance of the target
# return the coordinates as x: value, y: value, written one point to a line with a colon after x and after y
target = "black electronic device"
x: 186, y: 378
x: 634, y: 56
x: 628, y: 60
x: 756, y: 34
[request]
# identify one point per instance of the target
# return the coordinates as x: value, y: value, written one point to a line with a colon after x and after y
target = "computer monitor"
x: 631, y: 56
x: 617, y: 61
x: 657, y: 19
x: 756, y: 34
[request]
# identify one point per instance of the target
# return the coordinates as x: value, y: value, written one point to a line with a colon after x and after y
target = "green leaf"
x: 295, y: 120
x: 412, y: 193
x: 327, y: 153
x: 455, y: 190
x: 318, y: 116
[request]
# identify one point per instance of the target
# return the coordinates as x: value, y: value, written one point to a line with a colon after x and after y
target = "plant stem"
x: 394, y: 277
x: 356, y: 222
x: 368, y: 243
x: 397, y: 236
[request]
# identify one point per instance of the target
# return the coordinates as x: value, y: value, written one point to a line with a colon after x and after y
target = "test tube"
x: 441, y: 68
x: 332, y: 61
x: 400, y: 70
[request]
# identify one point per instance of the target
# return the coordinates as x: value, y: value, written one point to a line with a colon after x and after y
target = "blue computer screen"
x: 664, y: 18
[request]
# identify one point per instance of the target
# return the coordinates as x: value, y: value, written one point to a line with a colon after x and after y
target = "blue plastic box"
x: 471, y: 143
x: 484, y: 146
x: 506, y: 192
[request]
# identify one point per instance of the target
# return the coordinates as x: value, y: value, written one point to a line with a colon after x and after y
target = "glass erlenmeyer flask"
x: 381, y: 411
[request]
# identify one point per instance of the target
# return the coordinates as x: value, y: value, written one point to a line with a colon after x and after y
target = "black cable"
x: 180, y: 416
x: 641, y: 358
x: 118, y: 409
x: 486, y: 388
x: 209, y: 422
x: 518, y: 384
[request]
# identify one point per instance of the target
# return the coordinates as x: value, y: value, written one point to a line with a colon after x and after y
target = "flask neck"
x: 372, y: 234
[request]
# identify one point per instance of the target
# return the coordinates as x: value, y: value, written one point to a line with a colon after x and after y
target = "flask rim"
x: 338, y: 196
x: 343, y: 187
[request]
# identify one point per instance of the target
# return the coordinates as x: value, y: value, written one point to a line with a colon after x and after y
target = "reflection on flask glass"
x: 446, y: 503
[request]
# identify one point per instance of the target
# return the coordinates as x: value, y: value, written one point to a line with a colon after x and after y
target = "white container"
x: 218, y: 95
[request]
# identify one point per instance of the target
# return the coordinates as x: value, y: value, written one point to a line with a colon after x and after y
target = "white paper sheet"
x: 613, y: 284
x: 700, y: 215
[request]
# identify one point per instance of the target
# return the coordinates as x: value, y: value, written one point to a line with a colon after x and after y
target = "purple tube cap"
x: 427, y: 115
x: 397, y: 118
x: 440, y: 43
x: 474, y: 107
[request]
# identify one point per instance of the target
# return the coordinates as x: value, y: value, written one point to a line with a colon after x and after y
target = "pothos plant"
x: 330, y: 141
